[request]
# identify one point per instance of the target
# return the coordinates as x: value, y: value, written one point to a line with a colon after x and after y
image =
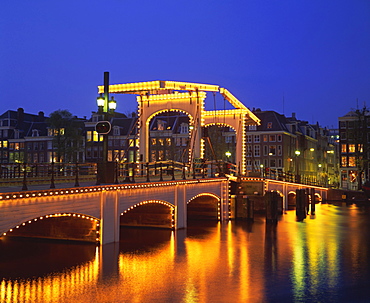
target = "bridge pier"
x: 181, y: 207
x: 110, y: 217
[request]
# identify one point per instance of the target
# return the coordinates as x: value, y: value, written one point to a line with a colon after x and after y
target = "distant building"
x: 292, y: 147
x: 354, y: 133
x: 23, y: 137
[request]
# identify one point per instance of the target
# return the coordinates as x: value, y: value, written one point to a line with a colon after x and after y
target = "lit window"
x: 168, y: 141
x: 89, y: 135
x: 344, y: 148
x: 351, y: 161
x: 272, y: 138
x: 265, y: 138
x: 351, y: 148
x: 269, y: 125
x: 154, y: 141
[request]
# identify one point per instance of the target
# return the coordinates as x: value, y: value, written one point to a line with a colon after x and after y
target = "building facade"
x: 354, y: 133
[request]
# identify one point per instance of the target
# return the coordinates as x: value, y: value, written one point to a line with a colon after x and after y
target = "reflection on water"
x: 323, y: 259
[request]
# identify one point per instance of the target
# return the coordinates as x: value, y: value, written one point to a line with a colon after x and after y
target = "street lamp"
x: 297, y: 153
x: 106, y: 108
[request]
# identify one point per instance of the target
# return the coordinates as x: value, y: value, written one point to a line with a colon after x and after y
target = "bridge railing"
x: 38, y: 173
x: 275, y: 174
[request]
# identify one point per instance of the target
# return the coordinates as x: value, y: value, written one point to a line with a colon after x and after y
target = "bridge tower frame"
x: 156, y: 96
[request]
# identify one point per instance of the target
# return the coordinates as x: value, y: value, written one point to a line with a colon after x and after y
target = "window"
x: 280, y: 163
x: 279, y: 138
x: 343, y: 136
x: 344, y: 148
x: 360, y: 148
x: 154, y: 141
x: 272, y: 150
x: 351, y: 161
x: 178, y: 141
x: 35, y: 133
x: 184, y: 128
x: 256, y: 164
x: 249, y: 138
x: 252, y: 127
x: 161, y: 142
x: 249, y: 150
x: 272, y: 163
x: 344, y: 162
x: 351, y: 148
x: 272, y: 138
x: 256, y: 150
x: 168, y: 141
x: 280, y: 150
x: 256, y: 138
x: 269, y: 124
x: 161, y: 124
x: 265, y: 138
x: 228, y: 139
x: 116, y: 131
x: 342, y: 124
x: 265, y: 150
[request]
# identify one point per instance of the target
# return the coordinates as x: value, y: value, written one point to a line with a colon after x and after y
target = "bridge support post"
x: 181, y: 206
x: 109, y: 225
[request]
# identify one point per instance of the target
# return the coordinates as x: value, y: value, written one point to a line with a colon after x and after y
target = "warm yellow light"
x: 297, y: 152
x: 100, y: 100
x: 112, y: 104
x: 228, y: 154
x: 312, y: 149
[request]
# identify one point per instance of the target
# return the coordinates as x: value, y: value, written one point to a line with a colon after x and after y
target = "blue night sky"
x: 314, y: 54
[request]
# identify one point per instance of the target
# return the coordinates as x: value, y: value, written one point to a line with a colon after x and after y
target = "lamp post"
x: 106, y: 108
x: 297, y: 153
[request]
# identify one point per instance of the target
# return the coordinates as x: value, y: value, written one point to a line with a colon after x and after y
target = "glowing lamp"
x: 228, y: 154
x: 297, y: 152
x: 100, y: 100
x: 112, y: 104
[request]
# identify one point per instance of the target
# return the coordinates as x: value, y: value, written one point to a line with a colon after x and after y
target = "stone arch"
x: 291, y: 199
x: 150, y: 213
x: 204, y: 209
x: 318, y: 198
x: 59, y: 226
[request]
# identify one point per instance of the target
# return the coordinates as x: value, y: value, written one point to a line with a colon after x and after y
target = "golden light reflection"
x: 53, y: 287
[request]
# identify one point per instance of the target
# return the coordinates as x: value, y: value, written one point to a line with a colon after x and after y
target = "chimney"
x: 20, y: 115
x: 293, y: 116
x: 41, y: 116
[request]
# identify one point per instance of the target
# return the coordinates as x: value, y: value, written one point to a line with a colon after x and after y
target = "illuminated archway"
x: 204, y: 206
x: 59, y: 226
x: 150, y: 213
x: 168, y: 137
x: 292, y: 200
x: 219, y: 144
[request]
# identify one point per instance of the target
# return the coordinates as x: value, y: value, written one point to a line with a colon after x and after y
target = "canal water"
x: 325, y: 258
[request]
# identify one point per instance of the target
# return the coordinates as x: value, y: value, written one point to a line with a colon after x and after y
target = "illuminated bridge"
x: 95, y: 213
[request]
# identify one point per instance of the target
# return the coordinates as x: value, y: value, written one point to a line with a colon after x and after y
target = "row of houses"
x: 280, y: 144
